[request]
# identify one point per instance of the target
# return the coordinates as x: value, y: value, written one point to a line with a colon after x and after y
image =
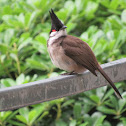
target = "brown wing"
x: 80, y: 52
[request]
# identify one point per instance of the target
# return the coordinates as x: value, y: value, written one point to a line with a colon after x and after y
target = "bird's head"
x: 58, y: 28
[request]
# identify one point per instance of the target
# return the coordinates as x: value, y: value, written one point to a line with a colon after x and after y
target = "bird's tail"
x: 110, y: 82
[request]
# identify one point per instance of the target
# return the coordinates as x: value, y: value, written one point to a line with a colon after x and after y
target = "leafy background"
x: 24, y: 30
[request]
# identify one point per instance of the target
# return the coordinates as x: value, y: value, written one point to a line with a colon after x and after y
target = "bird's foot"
x: 65, y: 74
x: 70, y: 73
x: 73, y: 73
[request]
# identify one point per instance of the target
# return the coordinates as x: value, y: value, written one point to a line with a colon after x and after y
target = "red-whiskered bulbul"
x: 71, y: 54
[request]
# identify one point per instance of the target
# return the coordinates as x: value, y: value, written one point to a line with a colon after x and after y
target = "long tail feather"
x: 110, y: 82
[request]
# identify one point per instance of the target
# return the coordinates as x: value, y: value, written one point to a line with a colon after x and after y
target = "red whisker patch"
x: 53, y: 30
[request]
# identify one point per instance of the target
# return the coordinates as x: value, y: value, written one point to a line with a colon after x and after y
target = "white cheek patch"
x: 53, y: 33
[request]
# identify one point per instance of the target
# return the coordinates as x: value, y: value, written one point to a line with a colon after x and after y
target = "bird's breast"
x: 60, y: 60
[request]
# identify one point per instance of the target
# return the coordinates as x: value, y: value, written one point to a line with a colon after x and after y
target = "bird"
x: 71, y: 54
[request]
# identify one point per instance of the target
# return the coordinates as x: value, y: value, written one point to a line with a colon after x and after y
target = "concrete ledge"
x: 53, y: 88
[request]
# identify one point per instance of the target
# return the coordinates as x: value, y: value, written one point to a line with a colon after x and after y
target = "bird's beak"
x: 63, y: 27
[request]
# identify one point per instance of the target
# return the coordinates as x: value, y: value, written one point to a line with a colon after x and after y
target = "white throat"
x: 55, y: 35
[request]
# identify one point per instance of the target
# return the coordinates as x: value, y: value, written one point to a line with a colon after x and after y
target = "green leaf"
x: 124, y: 121
x: 21, y: 118
x: 108, y: 94
x: 32, y: 116
x: 53, y: 74
x: 88, y: 119
x: 12, y: 115
x: 110, y: 35
x: 68, y: 102
x: 9, y: 33
x: 36, y: 112
x: 123, y: 16
x: 106, y: 123
x: 100, y: 92
x: 34, y: 78
x: 62, y: 13
x: 77, y: 110
x: 105, y: 3
x: 114, y: 4
x: 122, y: 103
x: 24, y: 112
x: 87, y: 108
x: 95, y: 116
x: 29, y: 19
x: 4, y: 115
x: 106, y: 110
x: 42, y: 48
x: 15, y: 123
x: 60, y: 123
x: 3, y: 48
x: 36, y: 64
x: 90, y: 9
x: 72, y: 123
x: 88, y: 101
x: 114, y: 102
x: 43, y: 115
x: 21, y: 19
x: 99, y: 121
x: 20, y: 79
x: 95, y: 98
x: 70, y: 26
x: 5, y: 83
x: 24, y: 43
x: 13, y: 56
x: 84, y: 124
x: 79, y: 5
x: 115, y: 22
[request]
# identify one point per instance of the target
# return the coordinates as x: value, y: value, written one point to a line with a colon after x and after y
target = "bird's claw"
x: 70, y: 73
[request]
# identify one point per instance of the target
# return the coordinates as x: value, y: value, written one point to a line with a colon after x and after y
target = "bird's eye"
x: 53, y: 30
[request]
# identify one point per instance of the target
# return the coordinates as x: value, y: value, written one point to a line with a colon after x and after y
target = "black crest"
x: 56, y: 23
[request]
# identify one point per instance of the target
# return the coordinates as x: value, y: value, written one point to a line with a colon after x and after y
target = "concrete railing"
x: 57, y: 87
